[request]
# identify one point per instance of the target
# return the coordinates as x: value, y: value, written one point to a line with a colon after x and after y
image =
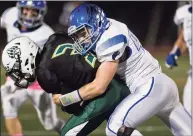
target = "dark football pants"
x: 95, y: 111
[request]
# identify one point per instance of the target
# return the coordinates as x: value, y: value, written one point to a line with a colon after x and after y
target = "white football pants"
x: 158, y: 96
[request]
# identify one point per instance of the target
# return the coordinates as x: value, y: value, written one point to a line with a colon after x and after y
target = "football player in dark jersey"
x: 59, y: 70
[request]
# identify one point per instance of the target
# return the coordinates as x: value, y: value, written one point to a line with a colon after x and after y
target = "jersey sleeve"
x: 44, y: 34
x: 41, y: 43
x: 2, y: 23
x: 3, y: 18
x: 180, y: 14
x: 112, y: 49
x: 48, y: 81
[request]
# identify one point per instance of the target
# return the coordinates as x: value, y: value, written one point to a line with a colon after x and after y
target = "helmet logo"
x: 71, y: 29
x: 13, y: 52
x: 30, y: 2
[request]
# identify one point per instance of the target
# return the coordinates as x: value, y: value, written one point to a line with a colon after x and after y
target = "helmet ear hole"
x: 32, y: 66
x: 26, y: 62
x: 100, y: 23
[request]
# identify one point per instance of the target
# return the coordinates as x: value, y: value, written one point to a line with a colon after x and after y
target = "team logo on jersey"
x: 14, y: 52
x: 61, y: 49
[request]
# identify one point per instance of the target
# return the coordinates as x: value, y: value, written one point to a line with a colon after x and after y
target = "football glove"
x: 171, y: 60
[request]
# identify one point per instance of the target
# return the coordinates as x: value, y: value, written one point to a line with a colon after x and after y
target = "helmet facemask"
x: 84, y: 38
x: 18, y: 75
x: 36, y: 18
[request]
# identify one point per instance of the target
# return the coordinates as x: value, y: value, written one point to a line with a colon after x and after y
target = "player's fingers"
x: 55, y: 98
x: 55, y: 102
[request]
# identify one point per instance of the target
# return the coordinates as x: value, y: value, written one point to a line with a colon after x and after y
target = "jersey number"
x: 61, y: 49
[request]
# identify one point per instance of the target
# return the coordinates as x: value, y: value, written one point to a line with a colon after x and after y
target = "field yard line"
x: 47, y: 133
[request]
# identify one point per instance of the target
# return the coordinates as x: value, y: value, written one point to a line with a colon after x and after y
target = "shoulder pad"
x: 111, y: 49
x: 180, y: 14
x: 7, y: 16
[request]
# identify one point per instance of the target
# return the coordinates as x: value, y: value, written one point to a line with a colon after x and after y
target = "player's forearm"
x: 88, y: 91
x: 179, y: 44
x: 91, y: 90
x: 104, y: 75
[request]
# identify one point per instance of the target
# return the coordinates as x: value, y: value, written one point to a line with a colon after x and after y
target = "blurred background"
x: 151, y: 21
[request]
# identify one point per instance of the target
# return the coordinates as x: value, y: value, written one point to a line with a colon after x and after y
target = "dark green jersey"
x: 60, y: 69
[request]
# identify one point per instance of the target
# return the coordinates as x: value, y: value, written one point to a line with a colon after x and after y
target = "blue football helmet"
x: 31, y: 22
x: 87, y: 22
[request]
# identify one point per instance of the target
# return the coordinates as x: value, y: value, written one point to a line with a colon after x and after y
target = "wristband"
x: 176, y: 51
x: 70, y: 98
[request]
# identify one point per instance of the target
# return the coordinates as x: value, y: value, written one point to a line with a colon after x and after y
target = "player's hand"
x: 56, y: 99
x: 171, y: 61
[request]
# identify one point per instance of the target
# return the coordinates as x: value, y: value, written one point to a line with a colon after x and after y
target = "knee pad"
x: 124, y: 131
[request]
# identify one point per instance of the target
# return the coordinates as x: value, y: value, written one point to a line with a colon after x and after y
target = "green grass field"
x: 152, y: 127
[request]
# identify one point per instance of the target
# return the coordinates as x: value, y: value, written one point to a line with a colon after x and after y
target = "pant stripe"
x: 109, y: 127
x: 130, y: 107
x: 139, y: 100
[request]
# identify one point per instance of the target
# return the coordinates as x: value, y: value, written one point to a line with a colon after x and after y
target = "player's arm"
x: 104, y: 75
x: 178, y: 48
x: 179, y: 43
x: 109, y: 54
x: 178, y: 20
